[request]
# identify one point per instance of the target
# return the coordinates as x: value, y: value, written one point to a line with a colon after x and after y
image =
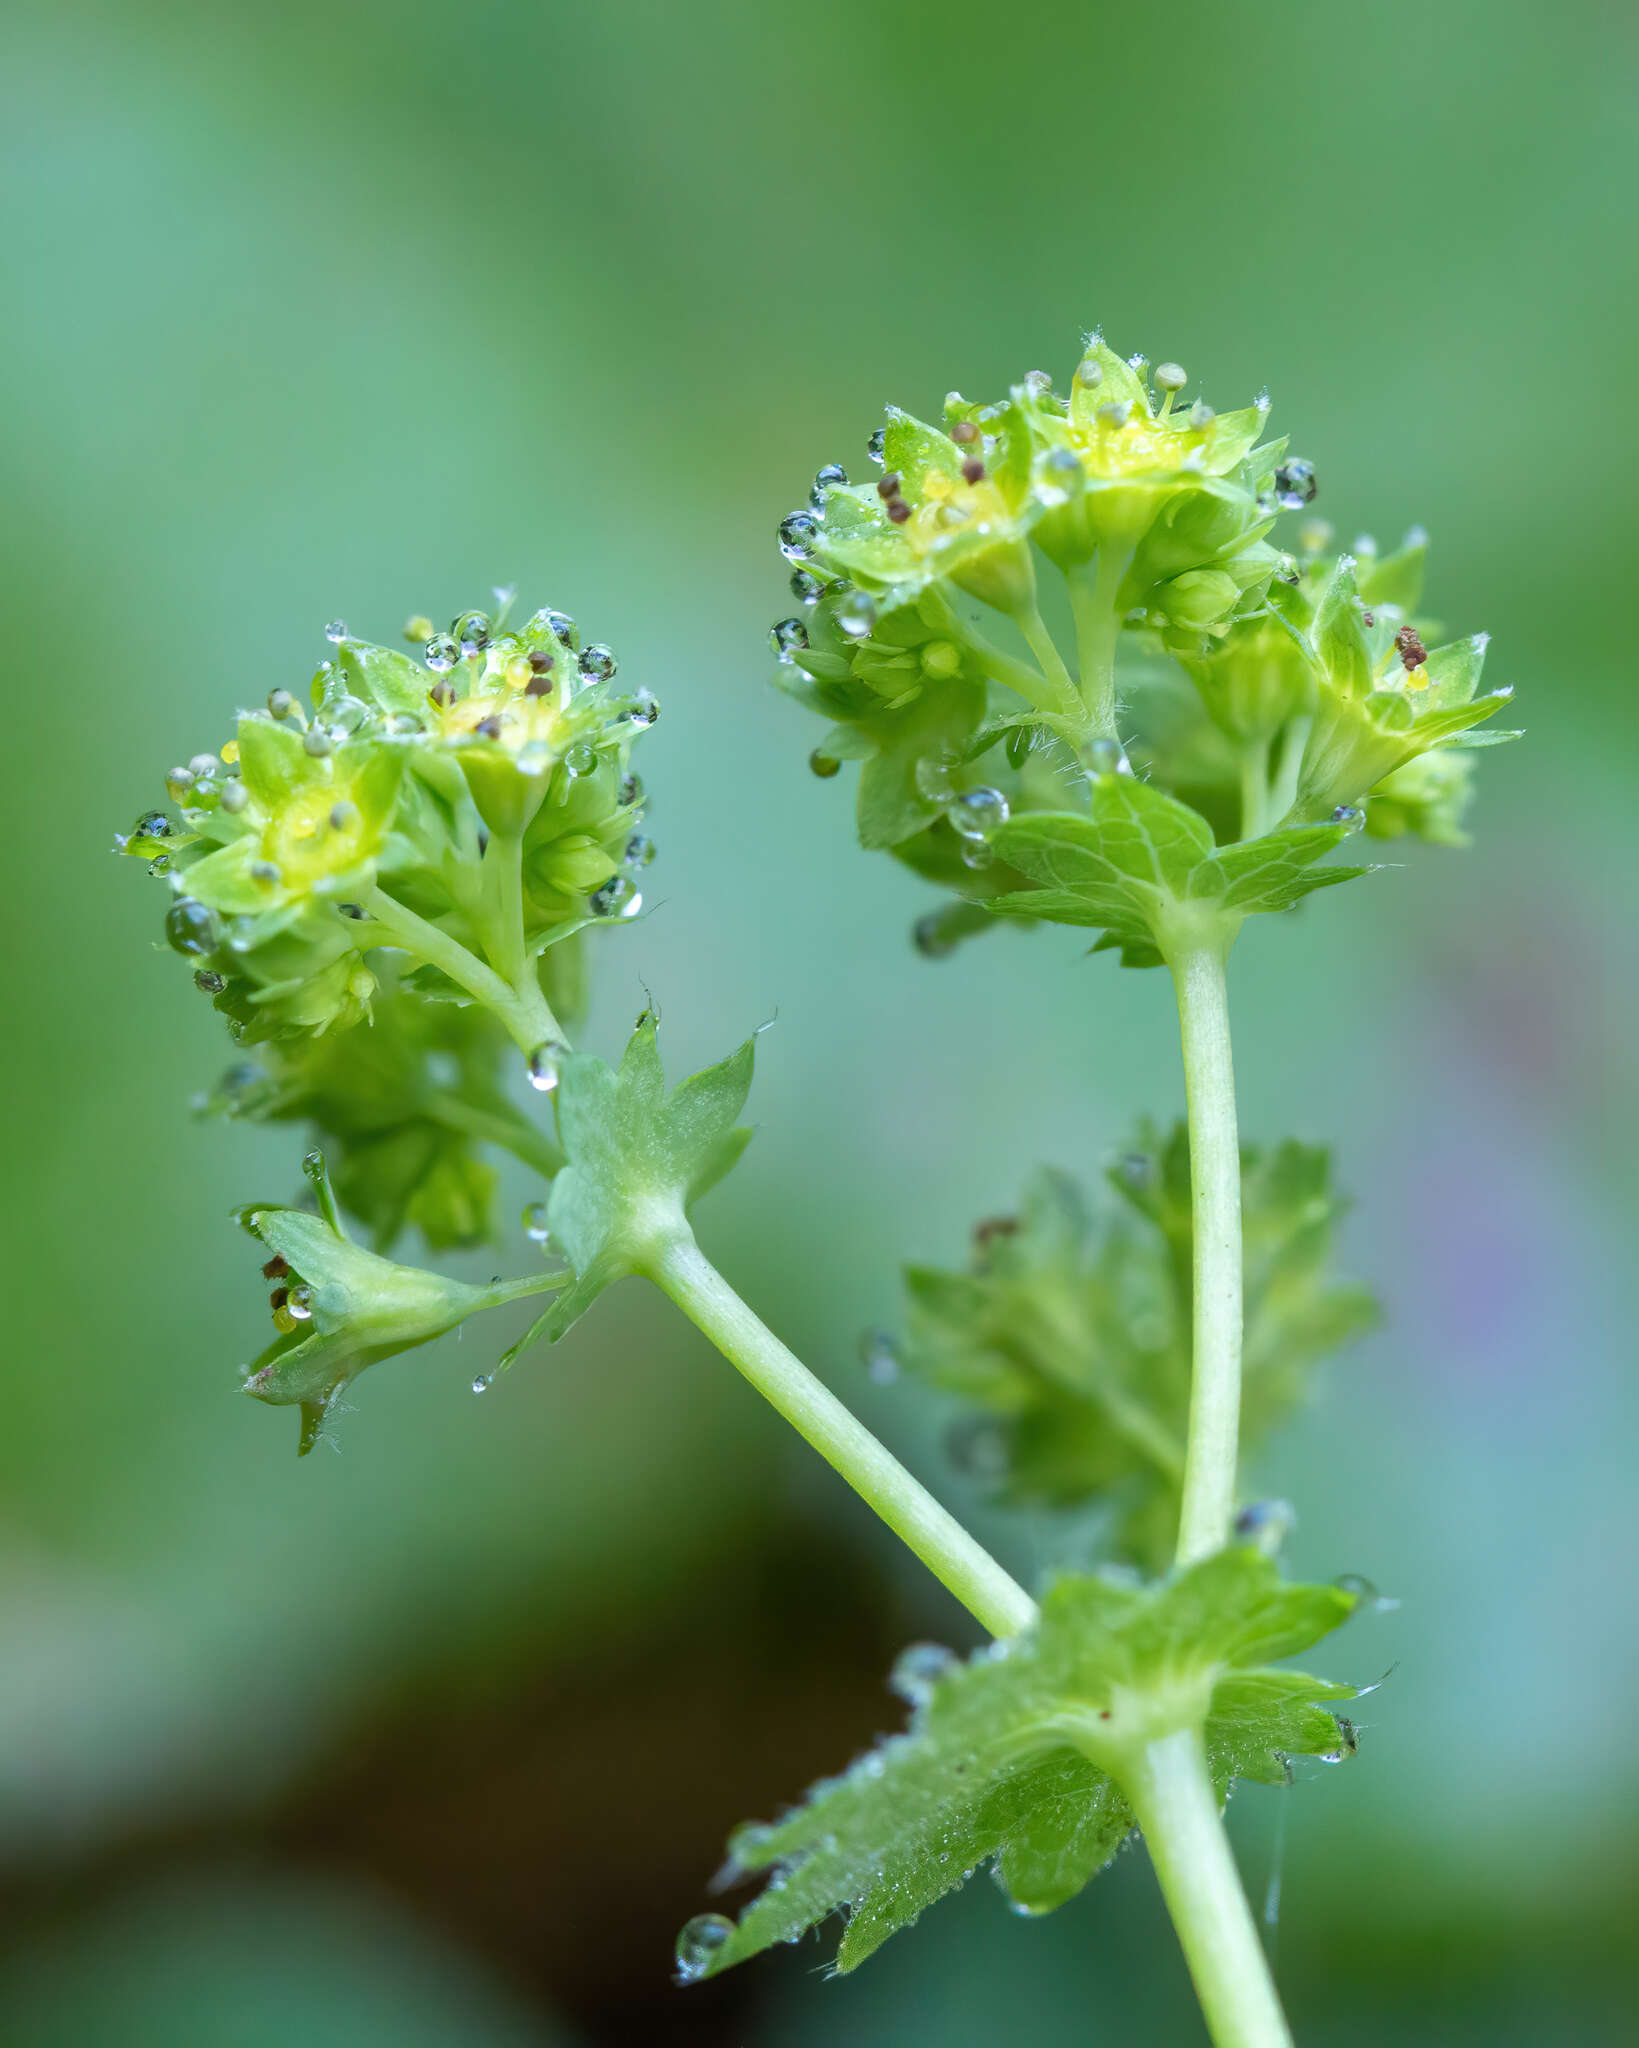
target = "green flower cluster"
x: 1266, y: 690
x: 478, y: 799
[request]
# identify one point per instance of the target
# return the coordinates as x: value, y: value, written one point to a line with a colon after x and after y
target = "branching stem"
x: 962, y: 1565
x: 522, y: 1009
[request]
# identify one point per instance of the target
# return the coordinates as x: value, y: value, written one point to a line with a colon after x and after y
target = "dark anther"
x: 1368, y: 618
x: 1412, y: 651
x: 276, y: 1268
x: 351, y: 909
x: 540, y: 661
x: 889, y: 486
x: 974, y: 470
x: 994, y: 1226
x: 898, y: 511
x: 964, y: 432
x: 538, y: 686
x: 278, y: 1298
x: 443, y: 693
x: 488, y: 728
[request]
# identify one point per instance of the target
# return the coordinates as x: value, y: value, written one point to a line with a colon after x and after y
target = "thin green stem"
x: 522, y: 1009
x: 1095, y: 591
x: 504, y: 859
x: 1255, y: 810
x: 1172, y: 1794
x: 1045, y: 648
x: 1198, y: 976
x: 1284, y: 793
x: 684, y: 1272
x: 507, y: 1129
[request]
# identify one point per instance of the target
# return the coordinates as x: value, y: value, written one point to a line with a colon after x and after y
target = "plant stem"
x: 507, y: 1129
x: 684, y: 1272
x: 1045, y: 648
x: 1208, y: 1503
x: 1172, y: 1795
x: 523, y: 1010
x: 1255, y: 788
x: 1094, y: 590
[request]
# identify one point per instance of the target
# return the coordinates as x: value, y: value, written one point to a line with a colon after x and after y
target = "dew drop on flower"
x: 1350, y: 817
x: 210, y: 981
x: 1108, y: 757
x: 797, y: 532
x: 336, y: 631
x: 832, y: 473
x: 932, y: 778
x: 483, y: 1382
x: 631, y: 789
x: 1296, y: 484
x: 1359, y: 1589
x: 929, y: 937
x: 703, y: 1938
x: 855, y: 613
x: 618, y: 897
x: 1265, y: 1525
x: 976, y: 813
x: 545, y: 1065
x: 640, y: 850
x: 918, y: 1669
x: 824, y: 765
x: 642, y: 710
x: 190, y: 927
x: 597, y: 664
x: 877, y: 444
x: 977, y: 853
x: 471, y: 632
x: 880, y: 1357
x: 536, y: 1227
x: 581, y: 759
x: 442, y: 653
x: 805, y: 586
x: 785, y: 636
x: 299, y: 1303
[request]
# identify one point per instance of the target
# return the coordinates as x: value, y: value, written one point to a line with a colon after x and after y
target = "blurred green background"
x: 360, y: 308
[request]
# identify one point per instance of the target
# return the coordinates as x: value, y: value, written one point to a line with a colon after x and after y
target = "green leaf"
x: 1068, y: 1336
x: 638, y: 1159
x: 1017, y: 1757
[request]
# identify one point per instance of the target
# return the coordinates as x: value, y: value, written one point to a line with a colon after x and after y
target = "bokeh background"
x: 361, y: 307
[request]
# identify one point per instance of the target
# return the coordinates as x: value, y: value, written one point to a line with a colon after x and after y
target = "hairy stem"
x: 1198, y: 975
x: 523, y: 1010
x: 1172, y: 1794
x: 1094, y: 591
x: 1045, y: 648
x: 684, y: 1272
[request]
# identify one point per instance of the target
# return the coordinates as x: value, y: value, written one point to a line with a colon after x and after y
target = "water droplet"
x: 1037, y: 383
x: 441, y: 653
x: 471, y: 632
x: 824, y: 765
x: 786, y: 636
x: 618, y: 897
x: 875, y: 446
x: 597, y: 663
x: 855, y: 613
x: 805, y: 586
x: 640, y: 851
x: 336, y: 631
x: 1362, y: 1591
x: 932, y: 778
x: 299, y: 1303
x: 642, y: 710
x: 536, y: 1228
x: 977, y: 853
x: 313, y: 1165
x: 976, y: 813
x: 702, y: 1940
x: 1296, y: 484
x: 235, y: 796
x: 155, y: 824
x: 1350, y: 817
x: 1348, y: 1744
x: 631, y: 789
x: 880, y: 1357
x: 545, y: 1065
x: 482, y: 1382
x: 1265, y: 1525
x: 190, y: 926
x: 211, y: 982
x: 978, y: 1447
x: 160, y: 864
x: 581, y: 759
x: 798, y: 531
x: 832, y: 473
x: 1108, y: 757
x: 929, y: 937
x: 918, y: 1669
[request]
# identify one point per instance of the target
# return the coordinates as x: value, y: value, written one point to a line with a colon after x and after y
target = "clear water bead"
x: 876, y: 445
x: 1108, y: 757
x: 785, y: 636
x: 545, y: 1065
x: 441, y: 654
x: 798, y: 532
x: 703, y: 1938
x: 976, y: 813
x: 1265, y: 1525
x: 918, y: 1669
x: 482, y: 1382
x: 1350, y: 817
x: 471, y: 631
x: 336, y: 632
x: 597, y: 663
x: 880, y: 1357
x: 1295, y: 483
x: 642, y: 710
x: 855, y: 614
x: 805, y: 586
x: 536, y: 1227
x: 618, y: 897
x: 978, y: 853
x: 833, y: 473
